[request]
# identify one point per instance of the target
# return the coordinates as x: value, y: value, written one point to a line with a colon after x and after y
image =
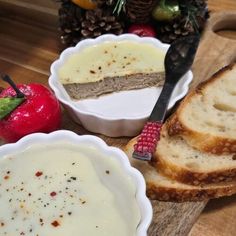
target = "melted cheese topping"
x: 64, y: 189
x: 111, y: 59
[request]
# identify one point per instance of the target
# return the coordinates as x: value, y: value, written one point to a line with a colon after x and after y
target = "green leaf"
x: 7, y: 105
x: 118, y: 7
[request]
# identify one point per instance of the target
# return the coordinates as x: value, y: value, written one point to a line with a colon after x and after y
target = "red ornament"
x: 40, y: 112
x: 142, y: 30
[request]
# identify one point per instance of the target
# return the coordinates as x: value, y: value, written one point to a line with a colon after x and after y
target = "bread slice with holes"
x: 178, y: 160
x: 160, y: 187
x: 206, y: 118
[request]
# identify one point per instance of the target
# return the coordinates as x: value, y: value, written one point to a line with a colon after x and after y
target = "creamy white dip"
x: 65, y: 190
x: 111, y: 59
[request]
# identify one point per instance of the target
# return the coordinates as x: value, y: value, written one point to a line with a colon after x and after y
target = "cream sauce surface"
x: 65, y: 190
x: 111, y: 59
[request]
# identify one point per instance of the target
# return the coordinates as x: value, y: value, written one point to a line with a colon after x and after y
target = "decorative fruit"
x: 85, y: 4
x: 26, y: 109
x: 142, y: 30
x: 166, y: 10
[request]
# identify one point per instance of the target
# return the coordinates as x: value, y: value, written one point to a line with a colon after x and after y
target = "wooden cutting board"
x: 28, y: 57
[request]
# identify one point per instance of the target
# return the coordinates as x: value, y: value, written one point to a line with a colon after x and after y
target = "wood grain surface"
x: 27, y: 48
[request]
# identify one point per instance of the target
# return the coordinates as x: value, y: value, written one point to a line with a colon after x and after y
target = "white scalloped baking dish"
x: 58, y: 137
x: 116, y: 114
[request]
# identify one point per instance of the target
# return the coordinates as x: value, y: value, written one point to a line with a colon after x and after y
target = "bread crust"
x: 162, y: 193
x: 192, y: 177
x: 157, y: 191
x: 202, y: 141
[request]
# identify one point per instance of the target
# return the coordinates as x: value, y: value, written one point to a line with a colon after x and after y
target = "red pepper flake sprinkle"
x: 6, y: 177
x: 53, y: 194
x: 55, y: 223
x: 38, y: 173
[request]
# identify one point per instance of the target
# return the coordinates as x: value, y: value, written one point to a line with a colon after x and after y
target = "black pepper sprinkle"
x: 73, y: 178
x: 69, y: 213
x: 107, y: 172
x: 92, y: 72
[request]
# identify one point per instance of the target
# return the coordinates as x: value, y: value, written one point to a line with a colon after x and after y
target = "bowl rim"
x: 63, y: 96
x: 143, y: 202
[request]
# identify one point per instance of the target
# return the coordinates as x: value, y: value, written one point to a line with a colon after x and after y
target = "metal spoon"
x: 178, y: 60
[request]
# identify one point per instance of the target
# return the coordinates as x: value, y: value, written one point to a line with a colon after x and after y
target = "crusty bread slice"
x: 163, y: 188
x: 176, y: 159
x: 206, y: 118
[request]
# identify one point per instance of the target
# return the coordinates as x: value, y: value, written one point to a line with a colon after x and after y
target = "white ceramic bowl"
x: 110, y: 152
x: 116, y: 114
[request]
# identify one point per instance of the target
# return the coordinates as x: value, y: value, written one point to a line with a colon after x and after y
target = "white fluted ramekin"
x: 109, y: 152
x: 116, y: 114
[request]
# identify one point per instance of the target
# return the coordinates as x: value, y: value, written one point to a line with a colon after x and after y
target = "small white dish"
x: 116, y: 114
x: 58, y: 137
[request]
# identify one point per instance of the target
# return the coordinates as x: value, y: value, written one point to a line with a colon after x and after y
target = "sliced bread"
x: 160, y: 187
x: 206, y: 118
x: 178, y: 160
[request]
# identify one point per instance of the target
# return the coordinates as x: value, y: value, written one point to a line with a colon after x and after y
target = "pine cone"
x: 77, y: 24
x: 70, y: 17
x: 194, y: 14
x: 173, y: 30
x: 100, y: 21
x: 139, y: 11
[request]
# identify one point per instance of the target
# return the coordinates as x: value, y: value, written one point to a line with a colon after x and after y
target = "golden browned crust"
x: 204, y: 142
x: 157, y: 191
x: 161, y: 193
x: 192, y: 177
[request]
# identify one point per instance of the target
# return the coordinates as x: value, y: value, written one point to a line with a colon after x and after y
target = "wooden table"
x: 27, y: 48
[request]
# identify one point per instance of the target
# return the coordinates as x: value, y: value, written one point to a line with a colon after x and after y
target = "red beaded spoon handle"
x: 178, y: 60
